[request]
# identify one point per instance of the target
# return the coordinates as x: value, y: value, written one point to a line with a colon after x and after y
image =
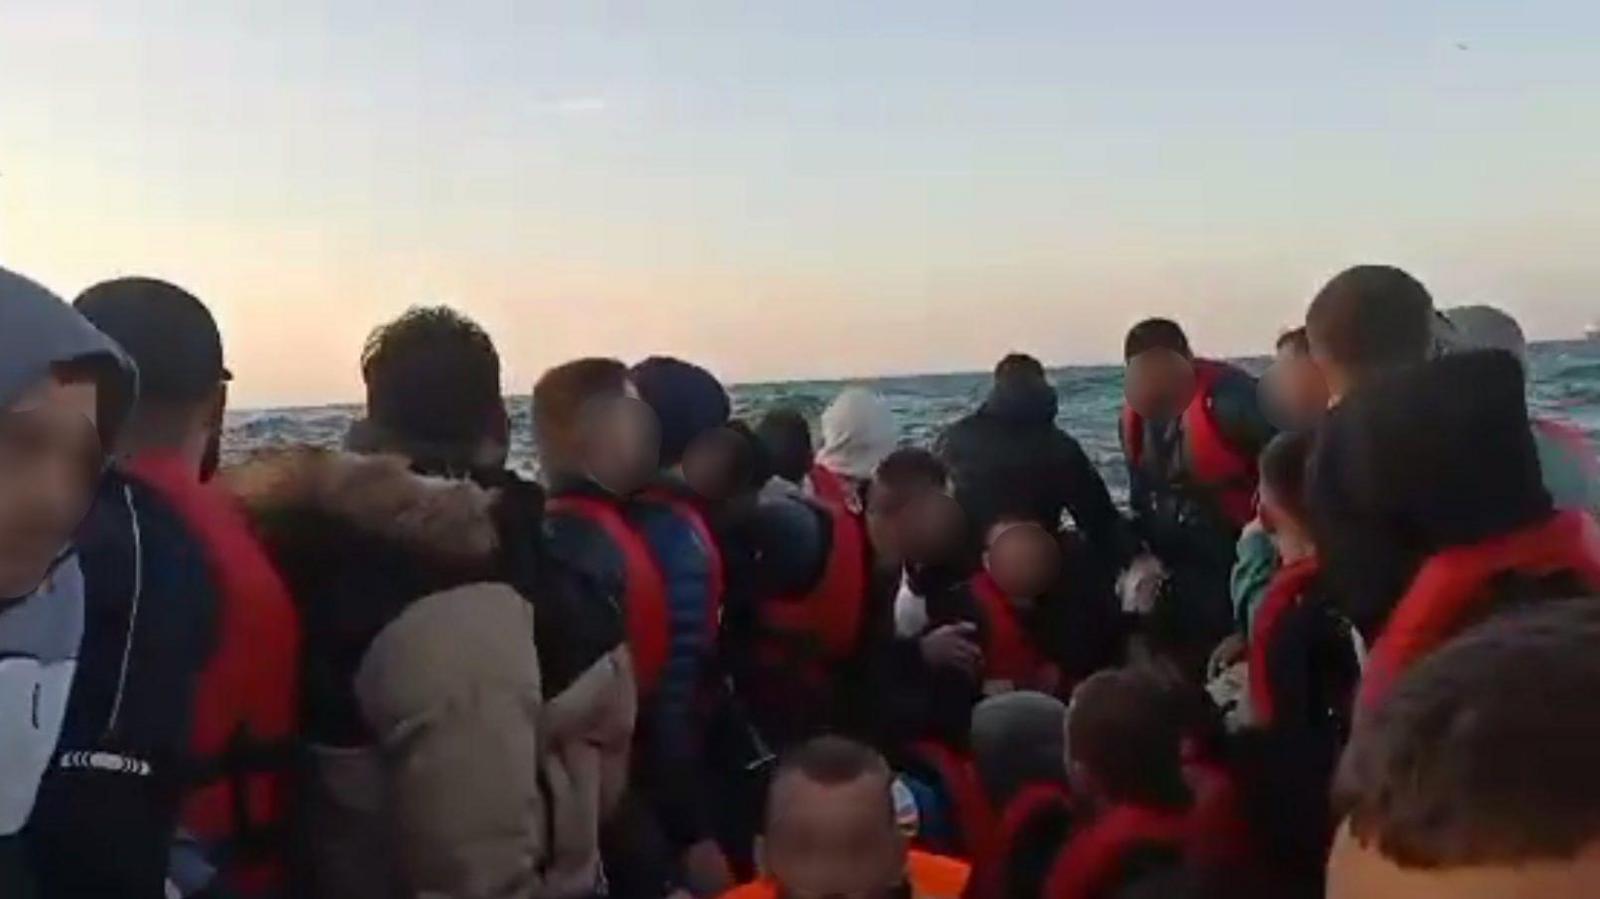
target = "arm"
x: 1252, y: 573
x: 451, y: 689
x: 1092, y: 509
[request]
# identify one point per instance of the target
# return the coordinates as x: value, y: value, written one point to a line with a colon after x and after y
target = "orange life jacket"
x: 931, y: 877
x: 1285, y: 590
x: 644, y: 596
x: 1214, y: 463
x: 1450, y: 591
x: 1008, y: 654
x: 246, y: 704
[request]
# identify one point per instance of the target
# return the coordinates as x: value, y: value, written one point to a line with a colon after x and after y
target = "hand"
x: 1140, y: 585
x: 707, y: 869
x: 953, y: 646
x: 1229, y: 651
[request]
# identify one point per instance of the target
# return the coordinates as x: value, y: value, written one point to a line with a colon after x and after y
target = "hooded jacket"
x: 448, y: 756
x: 1010, y: 459
x: 858, y: 431
x: 40, y: 632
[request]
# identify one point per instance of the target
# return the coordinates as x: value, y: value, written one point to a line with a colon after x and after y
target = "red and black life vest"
x: 1452, y: 589
x: 957, y: 778
x: 644, y: 592
x: 1283, y: 594
x: 829, y: 617
x: 1032, y: 805
x: 690, y: 513
x: 1214, y: 463
x: 246, y: 706
x: 1088, y: 864
x: 1008, y: 654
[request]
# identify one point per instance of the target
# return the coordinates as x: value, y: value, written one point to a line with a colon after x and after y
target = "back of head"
x: 1488, y: 328
x: 1124, y: 740
x: 1482, y: 757
x: 1018, y: 367
x: 1294, y: 341
x: 687, y: 399
x: 912, y: 467
x: 1018, y: 740
x: 1367, y: 320
x: 1155, y: 333
x: 787, y: 437
x: 433, y: 384
x: 858, y: 431
x: 1284, y: 465
x: 167, y: 331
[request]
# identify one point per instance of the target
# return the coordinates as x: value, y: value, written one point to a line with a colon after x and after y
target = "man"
x: 858, y: 432
x: 1295, y: 391
x: 1191, y: 432
x: 831, y: 830
x: 787, y: 437
x: 1431, y: 809
x: 1366, y: 321
x: 191, y: 663
x: 1010, y: 459
x: 64, y: 392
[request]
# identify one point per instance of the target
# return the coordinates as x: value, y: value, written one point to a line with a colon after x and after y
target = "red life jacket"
x: 830, y: 616
x: 689, y: 512
x: 1450, y: 591
x: 1214, y: 463
x: 644, y: 595
x: 1090, y: 860
x: 246, y: 706
x: 958, y: 779
x: 1287, y: 586
x: 1008, y: 654
x: 1219, y: 836
x: 994, y: 862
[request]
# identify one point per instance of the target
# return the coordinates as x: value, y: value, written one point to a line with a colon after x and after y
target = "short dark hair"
x: 560, y: 393
x: 752, y: 464
x: 911, y: 466
x: 1284, y: 465
x: 787, y: 436
x: 1156, y: 334
x: 1484, y: 753
x: 1370, y: 318
x: 1124, y: 727
x: 1295, y: 340
x: 433, y: 374
x: 1019, y: 367
x: 832, y: 760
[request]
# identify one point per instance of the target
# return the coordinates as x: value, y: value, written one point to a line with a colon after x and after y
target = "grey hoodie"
x: 39, y: 632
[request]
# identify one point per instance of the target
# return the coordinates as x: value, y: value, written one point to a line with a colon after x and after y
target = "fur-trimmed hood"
x: 375, y: 497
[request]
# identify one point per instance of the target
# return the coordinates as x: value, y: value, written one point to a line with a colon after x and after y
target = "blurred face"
x: 932, y: 528
x: 618, y: 443
x: 50, y: 462
x: 1295, y: 388
x: 1159, y: 384
x: 711, y: 465
x: 833, y: 841
x: 889, y: 508
x: 1023, y: 558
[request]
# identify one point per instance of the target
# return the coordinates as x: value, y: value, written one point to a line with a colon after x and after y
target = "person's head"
x: 1487, y: 328
x: 64, y: 391
x: 1017, y: 740
x: 858, y: 432
x: 1296, y: 392
x: 900, y: 491
x: 1019, y: 368
x: 1476, y: 776
x: 433, y: 392
x: 1366, y: 321
x: 1159, y: 384
x: 831, y: 828
x: 1283, y: 466
x: 1023, y: 558
x: 725, y: 463
x: 183, y: 383
x: 688, y: 401
x: 787, y: 437
x: 1155, y: 334
x: 1124, y: 741
x: 589, y: 423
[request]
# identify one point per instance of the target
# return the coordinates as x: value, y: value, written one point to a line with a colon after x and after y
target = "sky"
x: 797, y: 189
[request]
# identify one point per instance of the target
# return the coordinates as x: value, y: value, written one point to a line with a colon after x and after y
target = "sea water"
x: 1565, y: 384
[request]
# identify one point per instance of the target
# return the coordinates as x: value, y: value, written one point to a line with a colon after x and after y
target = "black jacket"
x: 1010, y: 459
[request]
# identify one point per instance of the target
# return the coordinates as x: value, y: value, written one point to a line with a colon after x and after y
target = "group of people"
x: 1339, y: 642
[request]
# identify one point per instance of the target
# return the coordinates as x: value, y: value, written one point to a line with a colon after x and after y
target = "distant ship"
x: 1592, y: 332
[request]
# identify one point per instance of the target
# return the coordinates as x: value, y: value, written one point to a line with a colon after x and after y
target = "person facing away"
x: 1476, y: 778
x: 1566, y: 455
x: 831, y: 831
x: 190, y: 672
x: 1010, y: 459
x: 1365, y: 322
x: 65, y: 390
x: 786, y: 434
x: 1429, y: 509
x: 1191, y: 432
x: 447, y: 755
x: 858, y: 432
